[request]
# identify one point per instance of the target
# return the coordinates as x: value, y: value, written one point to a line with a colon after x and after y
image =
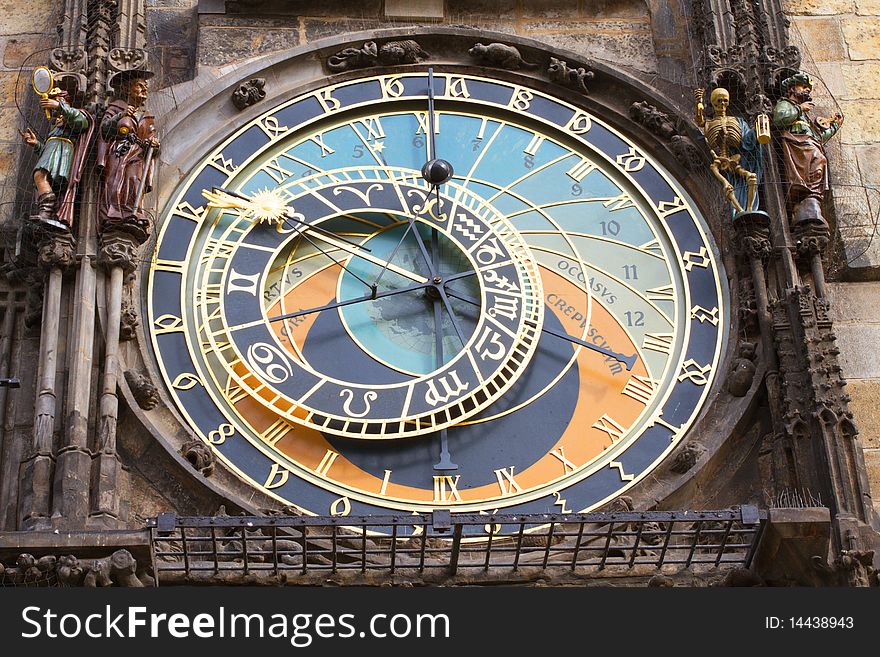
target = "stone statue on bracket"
x: 803, y: 152
x: 60, y: 159
x: 127, y: 146
x: 735, y: 147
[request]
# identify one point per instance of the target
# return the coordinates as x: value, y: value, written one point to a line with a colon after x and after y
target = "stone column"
x: 118, y: 256
x: 70, y: 506
x: 55, y: 252
x: 10, y: 456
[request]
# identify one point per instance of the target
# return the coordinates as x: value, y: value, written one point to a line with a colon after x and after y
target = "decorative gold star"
x: 264, y: 206
x: 379, y: 146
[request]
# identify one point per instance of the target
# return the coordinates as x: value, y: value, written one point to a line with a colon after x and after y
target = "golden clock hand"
x: 265, y: 207
x: 229, y: 199
x: 344, y: 246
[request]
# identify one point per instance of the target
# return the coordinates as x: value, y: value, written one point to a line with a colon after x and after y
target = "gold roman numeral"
x: 660, y: 342
x: 506, y: 482
x: 446, y: 488
x: 610, y: 426
x: 641, y: 388
x: 326, y: 462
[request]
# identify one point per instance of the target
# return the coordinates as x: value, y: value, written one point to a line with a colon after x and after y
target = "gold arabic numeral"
x: 425, y: 124
x: 705, y: 315
x: 276, y: 170
x: 446, y: 488
x: 276, y: 431
x: 319, y: 140
x: 612, y: 427
x: 167, y: 324
x: 579, y: 123
x: 278, y: 476
x: 659, y: 342
x: 341, y: 507
x: 222, y: 163
x: 567, y: 465
x: 694, y: 372
x: 631, y: 161
x: 491, y: 527
x: 580, y: 170
x: 662, y: 293
x: 326, y: 463
x: 692, y: 259
x: 185, y: 381
x: 242, y: 283
x: 676, y: 431
x: 561, y: 502
x: 327, y: 101
x: 521, y: 100
x: 219, y: 435
x: 666, y: 208
x: 383, y: 490
x: 617, y: 465
x: 392, y: 87
x: 457, y: 88
x: 641, y: 388
x: 272, y: 128
x: 187, y: 211
x: 418, y: 530
x: 506, y: 482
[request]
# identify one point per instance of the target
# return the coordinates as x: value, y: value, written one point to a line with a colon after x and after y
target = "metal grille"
x: 454, y: 543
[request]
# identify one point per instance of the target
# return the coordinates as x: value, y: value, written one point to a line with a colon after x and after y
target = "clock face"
x: 533, y: 335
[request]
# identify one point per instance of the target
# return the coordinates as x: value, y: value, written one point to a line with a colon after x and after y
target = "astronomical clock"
x: 433, y: 289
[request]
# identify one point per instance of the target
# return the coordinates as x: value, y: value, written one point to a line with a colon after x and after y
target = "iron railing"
x: 453, y: 543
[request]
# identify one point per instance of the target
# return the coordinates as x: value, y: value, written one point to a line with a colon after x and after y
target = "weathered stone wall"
x: 618, y: 31
x: 27, y: 30
x: 840, y: 41
x: 857, y: 325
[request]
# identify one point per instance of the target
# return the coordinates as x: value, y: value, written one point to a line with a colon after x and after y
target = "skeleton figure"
x: 733, y: 143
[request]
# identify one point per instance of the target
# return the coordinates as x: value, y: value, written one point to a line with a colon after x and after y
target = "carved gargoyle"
x: 653, y: 119
x: 354, y: 58
x: 500, y: 55
x: 249, y: 93
x: 739, y: 380
x: 687, y: 457
x: 145, y: 393
x: 199, y: 456
x: 575, y: 78
x: 401, y: 52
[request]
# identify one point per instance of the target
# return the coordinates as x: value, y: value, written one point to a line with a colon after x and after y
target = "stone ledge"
x: 82, y: 544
